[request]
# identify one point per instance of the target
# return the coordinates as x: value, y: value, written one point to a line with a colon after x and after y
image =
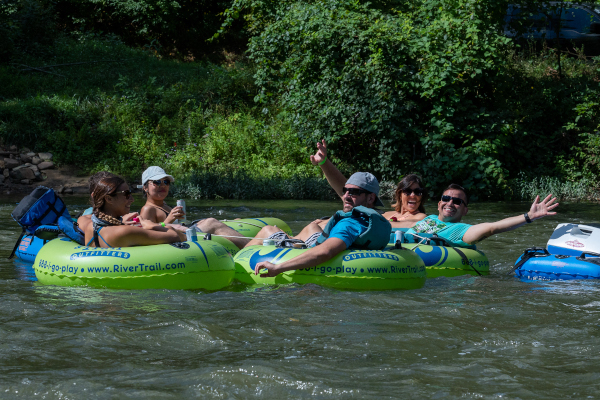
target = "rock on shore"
x: 20, y: 168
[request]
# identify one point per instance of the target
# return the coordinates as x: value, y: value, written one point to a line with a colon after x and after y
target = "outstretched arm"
x: 310, y: 258
x: 539, y: 209
x: 336, y: 179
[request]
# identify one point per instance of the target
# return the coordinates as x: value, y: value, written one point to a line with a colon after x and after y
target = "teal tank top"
x: 451, y: 231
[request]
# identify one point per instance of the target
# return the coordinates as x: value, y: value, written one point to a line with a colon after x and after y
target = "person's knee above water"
x: 155, y: 185
x: 408, y: 197
x: 454, y: 205
x: 112, y: 223
x: 357, y: 225
x: 216, y: 227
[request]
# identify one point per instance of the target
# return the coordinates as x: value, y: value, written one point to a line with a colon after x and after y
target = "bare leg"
x: 265, y: 232
x: 308, y: 230
x: 216, y: 227
x: 268, y: 230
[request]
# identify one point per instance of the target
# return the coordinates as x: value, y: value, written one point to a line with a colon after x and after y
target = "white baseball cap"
x: 154, y: 173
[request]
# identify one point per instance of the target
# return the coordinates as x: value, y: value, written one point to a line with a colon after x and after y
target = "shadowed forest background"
x: 231, y: 96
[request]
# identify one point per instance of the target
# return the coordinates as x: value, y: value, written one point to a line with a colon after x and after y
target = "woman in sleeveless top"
x: 155, y: 184
x: 112, y: 223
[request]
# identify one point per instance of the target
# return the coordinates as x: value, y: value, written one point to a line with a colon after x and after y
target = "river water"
x: 465, y: 337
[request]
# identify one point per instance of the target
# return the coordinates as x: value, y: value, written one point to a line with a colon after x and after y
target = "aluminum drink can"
x: 191, y: 235
x: 181, y: 203
x: 399, y: 236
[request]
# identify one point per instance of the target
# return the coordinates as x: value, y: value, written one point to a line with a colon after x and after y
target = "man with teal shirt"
x: 357, y: 225
x: 454, y: 205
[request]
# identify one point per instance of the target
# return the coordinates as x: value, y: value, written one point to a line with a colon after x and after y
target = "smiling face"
x: 450, y: 212
x: 156, y: 192
x: 411, y: 202
x: 118, y: 204
x: 363, y: 199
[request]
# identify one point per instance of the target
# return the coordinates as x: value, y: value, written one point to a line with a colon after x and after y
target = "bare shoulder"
x: 84, y: 221
x: 418, y: 217
x: 148, y: 212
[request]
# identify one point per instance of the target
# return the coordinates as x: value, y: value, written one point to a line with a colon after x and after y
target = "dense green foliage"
x: 433, y: 88
x: 173, y: 27
x: 126, y: 116
x: 427, y: 86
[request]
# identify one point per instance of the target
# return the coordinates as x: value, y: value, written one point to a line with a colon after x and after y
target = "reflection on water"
x: 467, y: 337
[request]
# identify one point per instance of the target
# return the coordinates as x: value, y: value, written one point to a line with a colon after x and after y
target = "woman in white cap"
x: 155, y: 184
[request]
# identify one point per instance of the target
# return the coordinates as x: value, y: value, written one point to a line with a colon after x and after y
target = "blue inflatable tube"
x: 29, y: 247
x: 538, y: 264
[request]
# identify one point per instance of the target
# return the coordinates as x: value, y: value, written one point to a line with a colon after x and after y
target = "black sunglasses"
x: 455, y: 200
x: 418, y: 191
x: 166, y: 182
x: 354, y: 191
x: 127, y: 193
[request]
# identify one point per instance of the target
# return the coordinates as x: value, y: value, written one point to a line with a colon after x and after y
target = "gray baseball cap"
x: 368, y: 182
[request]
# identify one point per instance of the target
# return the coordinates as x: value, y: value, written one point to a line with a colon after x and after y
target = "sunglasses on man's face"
x: 127, y: 193
x: 455, y: 200
x: 418, y: 191
x: 354, y: 191
x: 166, y: 182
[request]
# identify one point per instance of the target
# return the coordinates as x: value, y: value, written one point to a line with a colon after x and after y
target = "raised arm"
x: 539, y: 209
x: 335, y: 178
x: 310, y: 258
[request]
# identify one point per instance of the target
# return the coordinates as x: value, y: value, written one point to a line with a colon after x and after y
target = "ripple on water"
x: 464, y: 337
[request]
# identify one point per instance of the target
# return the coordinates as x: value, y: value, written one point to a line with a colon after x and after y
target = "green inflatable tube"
x: 247, y: 227
x: 250, y: 227
x: 187, y: 265
x: 448, y: 261
x: 351, y: 269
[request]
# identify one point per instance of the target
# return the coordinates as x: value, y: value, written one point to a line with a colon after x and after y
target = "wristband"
x: 527, y: 218
x: 163, y: 225
x: 323, y: 162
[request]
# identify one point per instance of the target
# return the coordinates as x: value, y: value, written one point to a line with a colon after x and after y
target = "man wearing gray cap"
x: 358, y: 226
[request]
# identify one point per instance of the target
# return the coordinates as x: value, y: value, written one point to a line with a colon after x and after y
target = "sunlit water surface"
x: 466, y: 337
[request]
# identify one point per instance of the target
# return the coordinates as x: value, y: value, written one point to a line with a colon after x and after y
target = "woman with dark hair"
x: 408, y: 198
x: 112, y: 223
x: 86, y: 217
x: 155, y: 184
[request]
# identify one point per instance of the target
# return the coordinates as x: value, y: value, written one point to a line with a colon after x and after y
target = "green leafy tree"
x: 168, y: 27
x: 393, y: 91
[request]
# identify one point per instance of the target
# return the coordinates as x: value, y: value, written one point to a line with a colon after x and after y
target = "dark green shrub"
x: 169, y: 28
x: 26, y: 27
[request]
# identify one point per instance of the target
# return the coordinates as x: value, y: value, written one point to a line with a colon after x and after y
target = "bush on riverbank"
x: 140, y: 111
x: 528, y: 189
